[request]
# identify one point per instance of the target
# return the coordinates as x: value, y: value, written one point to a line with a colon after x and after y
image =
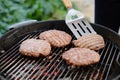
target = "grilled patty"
x: 56, y: 38
x: 80, y: 56
x: 91, y: 41
x: 35, y: 48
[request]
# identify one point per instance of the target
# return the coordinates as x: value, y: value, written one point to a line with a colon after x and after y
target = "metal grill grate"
x: 16, y: 66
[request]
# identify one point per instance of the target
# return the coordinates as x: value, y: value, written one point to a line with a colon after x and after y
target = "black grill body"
x: 15, y: 66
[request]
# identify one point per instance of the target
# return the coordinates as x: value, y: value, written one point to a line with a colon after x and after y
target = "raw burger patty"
x: 34, y: 47
x: 91, y: 41
x: 56, y: 38
x: 81, y: 56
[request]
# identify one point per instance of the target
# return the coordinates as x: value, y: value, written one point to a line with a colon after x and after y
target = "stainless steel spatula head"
x: 76, y: 21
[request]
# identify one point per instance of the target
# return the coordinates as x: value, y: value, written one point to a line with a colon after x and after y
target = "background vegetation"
x: 12, y: 11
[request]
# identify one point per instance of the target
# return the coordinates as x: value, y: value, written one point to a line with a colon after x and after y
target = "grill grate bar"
x: 111, y: 63
x: 93, y: 70
x: 25, y: 68
x: 52, y: 68
x: 54, y: 50
x: 12, y: 58
x: 50, y: 62
x: 6, y: 66
x: 12, y: 48
x: 81, y: 74
x: 105, y: 55
x: 75, y: 77
x: 54, y: 64
x: 103, y: 72
x: 14, y: 66
x: 9, y: 55
x: 87, y: 74
x: 63, y: 70
x: 31, y: 69
x: 21, y: 68
x: 61, y: 67
x: 62, y: 73
x: 73, y: 71
x: 22, y: 71
x: 25, y: 64
x: 36, y: 69
x: 103, y: 60
x: 9, y: 59
x: 18, y: 67
x: 57, y: 53
x: 102, y: 54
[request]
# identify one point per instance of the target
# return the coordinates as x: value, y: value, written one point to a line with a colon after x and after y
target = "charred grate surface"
x: 17, y: 67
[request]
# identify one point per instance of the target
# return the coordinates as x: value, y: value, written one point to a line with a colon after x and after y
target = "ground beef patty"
x: 81, y: 56
x: 34, y: 47
x: 56, y: 38
x: 91, y: 41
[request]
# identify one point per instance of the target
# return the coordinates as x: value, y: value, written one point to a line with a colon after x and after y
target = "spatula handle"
x: 67, y: 3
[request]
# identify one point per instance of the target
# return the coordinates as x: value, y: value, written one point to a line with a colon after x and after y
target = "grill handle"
x: 23, y: 23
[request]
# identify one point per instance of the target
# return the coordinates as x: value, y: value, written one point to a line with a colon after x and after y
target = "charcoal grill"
x: 14, y: 66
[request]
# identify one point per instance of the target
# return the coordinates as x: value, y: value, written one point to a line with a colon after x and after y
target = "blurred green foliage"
x: 12, y: 11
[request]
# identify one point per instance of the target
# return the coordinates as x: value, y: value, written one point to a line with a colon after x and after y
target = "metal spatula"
x: 76, y: 21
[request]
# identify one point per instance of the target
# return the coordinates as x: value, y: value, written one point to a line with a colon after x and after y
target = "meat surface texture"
x: 56, y: 38
x: 35, y: 47
x: 80, y: 56
x: 91, y: 41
